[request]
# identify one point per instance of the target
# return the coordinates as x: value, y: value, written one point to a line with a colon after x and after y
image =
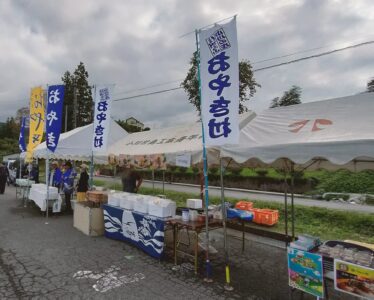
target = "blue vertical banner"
x: 219, y: 76
x: 21, y: 139
x: 103, y: 101
x: 54, y: 115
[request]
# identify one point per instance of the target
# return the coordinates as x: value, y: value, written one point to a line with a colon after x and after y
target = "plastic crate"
x: 265, y: 216
x: 244, y: 205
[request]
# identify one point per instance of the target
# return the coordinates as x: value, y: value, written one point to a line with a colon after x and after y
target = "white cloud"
x: 137, y: 44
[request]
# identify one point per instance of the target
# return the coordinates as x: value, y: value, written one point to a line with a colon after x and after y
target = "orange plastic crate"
x: 244, y: 205
x: 265, y: 216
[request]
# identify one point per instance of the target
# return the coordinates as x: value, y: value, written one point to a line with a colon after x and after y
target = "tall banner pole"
x: 47, y: 180
x: 207, y: 260
x: 92, y: 154
x: 218, y: 74
x: 227, y: 286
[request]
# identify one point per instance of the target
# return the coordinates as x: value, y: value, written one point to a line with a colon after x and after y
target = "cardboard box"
x: 97, y: 196
x: 89, y: 220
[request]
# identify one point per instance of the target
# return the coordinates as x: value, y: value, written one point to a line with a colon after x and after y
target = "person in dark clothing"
x: 82, y: 186
x: 68, y: 184
x: 3, y: 178
x: 131, y: 180
x: 34, y: 174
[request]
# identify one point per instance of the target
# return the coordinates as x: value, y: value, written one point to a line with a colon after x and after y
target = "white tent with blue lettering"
x: 172, y: 141
x: 331, y: 134
x: 76, y: 144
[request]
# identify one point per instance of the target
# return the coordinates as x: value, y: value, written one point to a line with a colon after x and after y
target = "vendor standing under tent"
x: 131, y: 180
x: 82, y: 186
x: 68, y: 185
x: 55, y: 175
x: 3, y: 178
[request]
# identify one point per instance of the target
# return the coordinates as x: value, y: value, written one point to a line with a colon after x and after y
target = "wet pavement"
x: 56, y: 261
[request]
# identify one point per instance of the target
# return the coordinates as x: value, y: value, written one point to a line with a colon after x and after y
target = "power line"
x: 314, y: 56
x: 261, y: 69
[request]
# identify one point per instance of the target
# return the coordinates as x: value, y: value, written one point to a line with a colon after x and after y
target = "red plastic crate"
x: 265, y: 216
x: 244, y: 205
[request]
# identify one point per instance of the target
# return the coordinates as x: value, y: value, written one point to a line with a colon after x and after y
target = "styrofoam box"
x: 194, y: 203
x: 114, y: 199
x: 128, y: 201
x: 161, y: 208
x: 141, y: 203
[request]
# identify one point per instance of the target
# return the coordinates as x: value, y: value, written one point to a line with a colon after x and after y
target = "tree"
x: 77, y: 83
x: 247, y: 84
x: 290, y: 97
x: 370, y: 86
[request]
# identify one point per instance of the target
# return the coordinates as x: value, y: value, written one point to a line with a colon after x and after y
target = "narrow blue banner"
x: 21, y: 139
x: 54, y: 115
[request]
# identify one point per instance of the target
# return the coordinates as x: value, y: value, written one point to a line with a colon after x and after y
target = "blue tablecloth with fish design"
x: 142, y: 230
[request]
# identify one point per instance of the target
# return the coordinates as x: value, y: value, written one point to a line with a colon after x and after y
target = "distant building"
x: 134, y: 122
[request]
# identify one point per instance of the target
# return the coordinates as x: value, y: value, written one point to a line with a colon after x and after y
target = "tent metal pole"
x: 285, y: 205
x: 227, y: 286
x: 292, y: 201
x: 153, y: 180
x: 207, y: 260
x: 163, y: 181
x: 91, y: 170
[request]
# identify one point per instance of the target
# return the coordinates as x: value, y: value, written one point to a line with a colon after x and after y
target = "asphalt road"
x: 57, y: 261
x: 255, y: 195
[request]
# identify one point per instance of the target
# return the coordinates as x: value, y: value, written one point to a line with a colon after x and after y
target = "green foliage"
x: 77, y: 81
x: 290, y: 97
x: 10, y: 129
x: 348, y: 182
x: 8, y: 146
x: 130, y: 128
x: 247, y: 84
x: 370, y: 85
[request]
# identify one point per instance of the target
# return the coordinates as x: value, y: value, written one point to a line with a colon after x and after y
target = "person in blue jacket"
x: 68, y: 184
x: 55, y: 175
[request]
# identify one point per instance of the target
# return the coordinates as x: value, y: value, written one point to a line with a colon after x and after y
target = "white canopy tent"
x: 331, y: 134
x: 76, y: 144
x: 171, y: 141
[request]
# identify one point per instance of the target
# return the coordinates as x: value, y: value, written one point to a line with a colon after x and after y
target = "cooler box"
x: 244, y: 205
x: 141, y: 203
x: 194, y: 203
x: 89, y: 220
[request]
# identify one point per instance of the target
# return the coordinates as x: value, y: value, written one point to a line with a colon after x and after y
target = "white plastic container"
x: 161, y: 208
x: 114, y: 199
x: 141, y: 204
x: 194, y: 203
x: 185, y: 215
x: 128, y: 201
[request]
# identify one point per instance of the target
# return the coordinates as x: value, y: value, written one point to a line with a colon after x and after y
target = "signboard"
x: 354, y: 279
x: 103, y: 95
x: 183, y: 160
x: 54, y: 115
x: 219, y: 69
x: 36, y: 120
x: 305, y: 271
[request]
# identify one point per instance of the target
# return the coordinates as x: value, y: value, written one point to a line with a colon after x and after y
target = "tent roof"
x: 76, y: 144
x: 171, y: 141
x: 332, y: 134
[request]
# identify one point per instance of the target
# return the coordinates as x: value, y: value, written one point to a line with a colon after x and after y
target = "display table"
x: 38, y: 194
x: 23, y: 188
x: 193, y: 227
x: 144, y: 231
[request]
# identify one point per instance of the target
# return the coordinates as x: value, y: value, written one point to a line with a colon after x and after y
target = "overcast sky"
x: 136, y: 44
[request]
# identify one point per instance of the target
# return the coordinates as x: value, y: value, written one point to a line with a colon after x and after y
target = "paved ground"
x: 257, y: 195
x: 39, y: 261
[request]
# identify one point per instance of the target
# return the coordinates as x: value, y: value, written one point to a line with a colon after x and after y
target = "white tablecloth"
x: 38, y: 194
x: 24, y: 182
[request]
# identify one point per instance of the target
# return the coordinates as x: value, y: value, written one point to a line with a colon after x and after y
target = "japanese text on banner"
x: 219, y: 71
x: 36, y: 120
x: 21, y: 139
x: 102, y: 117
x: 54, y: 115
